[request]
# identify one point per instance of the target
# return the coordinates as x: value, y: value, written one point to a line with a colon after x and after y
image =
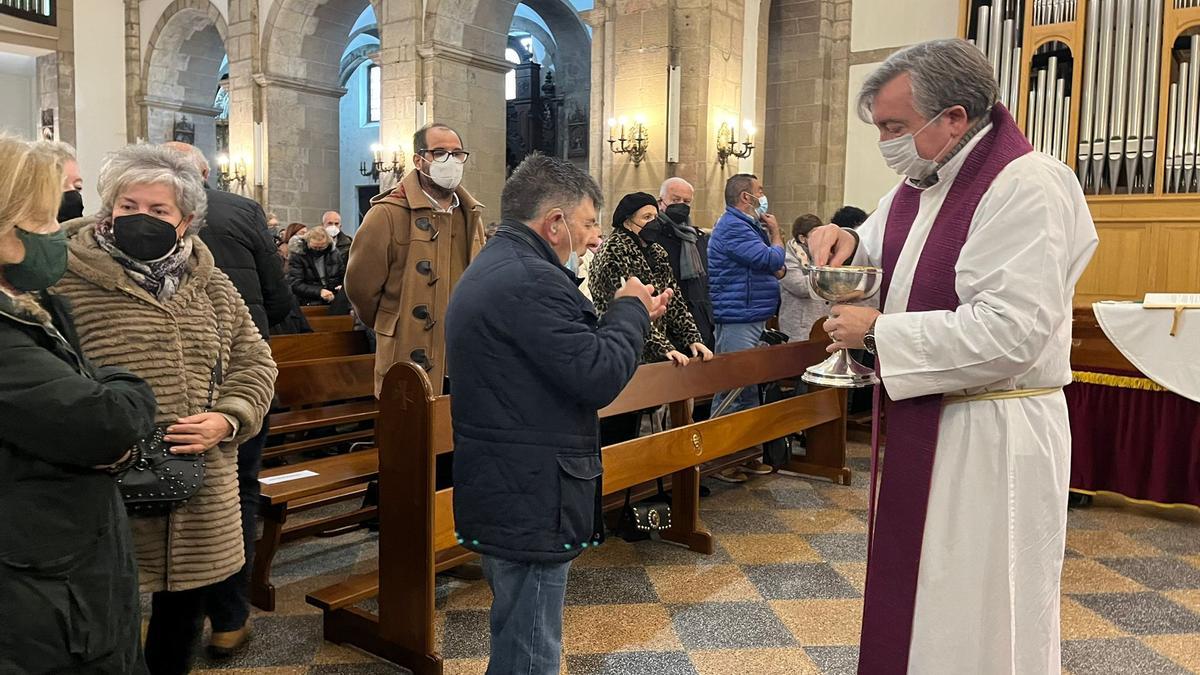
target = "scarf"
x: 691, y: 265
x: 160, y: 278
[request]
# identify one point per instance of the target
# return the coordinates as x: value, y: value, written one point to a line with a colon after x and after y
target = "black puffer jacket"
x: 694, y: 291
x: 68, y: 578
x: 307, y: 278
x: 531, y: 364
x: 243, y: 249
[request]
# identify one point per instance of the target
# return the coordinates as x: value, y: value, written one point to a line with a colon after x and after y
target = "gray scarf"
x: 691, y: 265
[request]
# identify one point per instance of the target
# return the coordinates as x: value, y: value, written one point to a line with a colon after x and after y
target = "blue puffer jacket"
x: 532, y: 364
x: 741, y: 270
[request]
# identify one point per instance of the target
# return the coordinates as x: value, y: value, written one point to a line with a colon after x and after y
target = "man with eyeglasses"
x: 411, y: 250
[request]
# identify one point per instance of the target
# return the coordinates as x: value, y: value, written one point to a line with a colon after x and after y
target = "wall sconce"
x: 378, y: 166
x: 632, y: 140
x: 228, y: 175
x: 727, y: 142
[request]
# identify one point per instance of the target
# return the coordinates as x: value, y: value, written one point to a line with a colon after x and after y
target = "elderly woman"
x: 149, y: 298
x: 317, y: 272
x: 625, y: 254
x: 67, y: 573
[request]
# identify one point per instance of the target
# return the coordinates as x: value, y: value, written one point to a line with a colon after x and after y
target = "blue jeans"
x: 526, y: 620
x: 735, y: 337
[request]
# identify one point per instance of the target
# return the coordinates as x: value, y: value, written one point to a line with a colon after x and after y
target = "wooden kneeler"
x: 416, y: 532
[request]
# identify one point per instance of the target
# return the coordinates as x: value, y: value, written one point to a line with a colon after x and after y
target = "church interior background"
x: 310, y: 105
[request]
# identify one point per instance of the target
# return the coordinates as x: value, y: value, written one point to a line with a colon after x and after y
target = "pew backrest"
x: 320, y: 381
x: 306, y: 346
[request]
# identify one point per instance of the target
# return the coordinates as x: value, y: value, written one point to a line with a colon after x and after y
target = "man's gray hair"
x: 540, y: 183
x: 144, y: 164
x: 944, y: 73
x: 668, y: 183
x: 193, y: 153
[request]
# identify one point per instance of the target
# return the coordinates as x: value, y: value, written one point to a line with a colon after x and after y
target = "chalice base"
x: 840, y: 370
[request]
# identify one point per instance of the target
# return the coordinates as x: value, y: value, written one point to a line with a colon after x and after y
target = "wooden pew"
x: 321, y: 394
x: 314, y: 310
x: 305, y: 346
x: 417, y: 534
x: 321, y: 324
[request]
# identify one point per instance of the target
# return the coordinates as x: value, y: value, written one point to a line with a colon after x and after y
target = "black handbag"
x: 639, y: 522
x: 154, y: 481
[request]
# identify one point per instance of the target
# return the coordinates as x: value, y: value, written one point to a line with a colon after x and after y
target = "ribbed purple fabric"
x: 898, y: 524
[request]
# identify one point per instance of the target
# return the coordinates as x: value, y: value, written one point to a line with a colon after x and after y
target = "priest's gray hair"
x: 944, y: 73
x: 144, y: 164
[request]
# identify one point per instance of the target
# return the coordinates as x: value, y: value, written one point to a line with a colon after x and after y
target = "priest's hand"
x: 847, y: 324
x: 831, y: 245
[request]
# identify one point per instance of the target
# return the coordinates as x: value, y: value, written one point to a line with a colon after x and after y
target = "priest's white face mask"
x: 902, y: 156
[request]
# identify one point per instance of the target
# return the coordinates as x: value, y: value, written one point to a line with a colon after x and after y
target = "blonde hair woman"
x: 67, y: 571
x: 149, y: 297
x: 317, y: 272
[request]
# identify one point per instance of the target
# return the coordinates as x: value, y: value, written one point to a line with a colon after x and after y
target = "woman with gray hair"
x: 149, y: 298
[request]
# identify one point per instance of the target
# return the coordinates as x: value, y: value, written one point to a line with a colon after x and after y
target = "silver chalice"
x: 841, y: 285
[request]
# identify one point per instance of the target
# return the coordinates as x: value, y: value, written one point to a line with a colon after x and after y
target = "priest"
x: 981, y: 245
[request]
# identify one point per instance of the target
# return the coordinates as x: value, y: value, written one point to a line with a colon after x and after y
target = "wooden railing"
x: 41, y: 11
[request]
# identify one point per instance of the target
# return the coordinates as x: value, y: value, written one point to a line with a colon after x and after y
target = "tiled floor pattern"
x: 782, y: 595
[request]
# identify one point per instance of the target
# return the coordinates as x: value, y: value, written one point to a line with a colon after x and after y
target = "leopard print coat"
x: 625, y: 255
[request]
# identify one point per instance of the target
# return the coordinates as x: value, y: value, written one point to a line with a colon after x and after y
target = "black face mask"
x: 679, y: 212
x: 144, y: 237
x: 71, y: 206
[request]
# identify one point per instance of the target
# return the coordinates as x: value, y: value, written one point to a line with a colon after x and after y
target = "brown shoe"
x: 227, y: 644
x: 733, y: 475
x: 756, y: 467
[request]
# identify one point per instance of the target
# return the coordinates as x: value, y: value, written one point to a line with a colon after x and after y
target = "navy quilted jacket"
x: 741, y: 270
x: 531, y: 364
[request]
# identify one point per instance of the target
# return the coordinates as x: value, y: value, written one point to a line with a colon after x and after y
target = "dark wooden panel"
x: 323, y: 380
x: 305, y: 346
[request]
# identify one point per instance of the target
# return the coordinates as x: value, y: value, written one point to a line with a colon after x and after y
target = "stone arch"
x: 472, y: 34
x: 303, y: 49
x: 181, y: 72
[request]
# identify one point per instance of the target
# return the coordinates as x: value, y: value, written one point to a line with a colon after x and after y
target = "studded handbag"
x: 639, y: 522
x: 154, y: 480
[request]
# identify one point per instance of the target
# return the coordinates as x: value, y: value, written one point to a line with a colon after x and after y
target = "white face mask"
x: 573, y: 259
x: 333, y: 231
x: 448, y: 174
x: 902, y: 157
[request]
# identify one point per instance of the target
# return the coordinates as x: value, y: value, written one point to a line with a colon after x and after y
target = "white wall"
x: 883, y: 24
x: 875, y: 24
x: 18, y: 92
x: 867, y: 176
x: 99, y: 89
x: 356, y: 140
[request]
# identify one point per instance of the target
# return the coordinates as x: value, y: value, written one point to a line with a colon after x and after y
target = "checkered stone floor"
x: 781, y: 595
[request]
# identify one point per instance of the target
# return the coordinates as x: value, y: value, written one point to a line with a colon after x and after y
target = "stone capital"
x: 307, y: 86
x: 179, y: 106
x: 435, y: 49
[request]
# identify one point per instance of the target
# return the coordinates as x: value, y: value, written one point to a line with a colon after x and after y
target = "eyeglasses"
x: 459, y: 156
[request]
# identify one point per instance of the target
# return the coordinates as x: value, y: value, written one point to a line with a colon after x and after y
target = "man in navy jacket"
x: 745, y: 263
x: 532, y: 365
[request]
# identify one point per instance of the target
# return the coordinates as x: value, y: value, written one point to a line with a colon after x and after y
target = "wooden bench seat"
x: 305, y: 346
x: 329, y: 403
x: 322, y: 324
x: 417, y: 532
x: 338, y: 479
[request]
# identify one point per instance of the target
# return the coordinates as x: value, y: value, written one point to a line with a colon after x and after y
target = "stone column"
x: 245, y: 109
x: 135, y: 121
x: 807, y: 71
x: 400, y: 76
x: 66, y: 71
x: 633, y: 45
x: 462, y: 89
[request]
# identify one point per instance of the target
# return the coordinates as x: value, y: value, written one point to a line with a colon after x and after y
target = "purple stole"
x: 897, y: 528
